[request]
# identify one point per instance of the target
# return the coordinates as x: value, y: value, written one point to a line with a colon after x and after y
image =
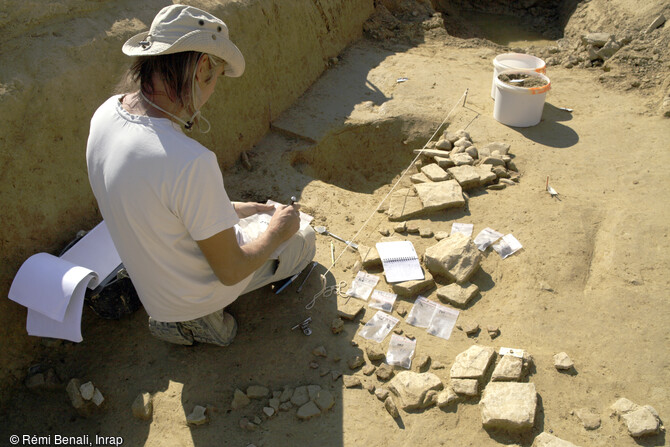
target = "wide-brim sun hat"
x: 178, y: 28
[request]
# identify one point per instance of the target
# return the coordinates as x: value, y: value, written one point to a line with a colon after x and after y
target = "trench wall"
x: 60, y: 60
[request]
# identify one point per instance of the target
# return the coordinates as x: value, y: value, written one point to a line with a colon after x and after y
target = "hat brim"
x: 201, y: 41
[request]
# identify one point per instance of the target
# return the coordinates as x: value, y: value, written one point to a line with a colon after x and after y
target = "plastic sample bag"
x: 382, y: 300
x: 401, y: 350
x: 378, y: 327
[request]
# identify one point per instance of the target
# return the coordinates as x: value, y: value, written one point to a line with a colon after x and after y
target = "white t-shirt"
x: 159, y: 192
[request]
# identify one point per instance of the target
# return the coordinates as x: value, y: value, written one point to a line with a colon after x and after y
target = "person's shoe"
x: 218, y: 328
x: 170, y: 332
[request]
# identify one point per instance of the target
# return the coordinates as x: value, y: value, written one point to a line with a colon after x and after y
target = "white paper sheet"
x: 250, y: 228
x: 53, y: 288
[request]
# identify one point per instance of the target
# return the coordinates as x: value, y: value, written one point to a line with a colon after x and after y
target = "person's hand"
x: 246, y: 209
x: 285, y: 222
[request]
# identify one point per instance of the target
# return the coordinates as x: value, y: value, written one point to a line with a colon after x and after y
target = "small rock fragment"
x: 381, y: 393
x: 391, y: 407
x: 509, y: 406
x: 143, y: 406
x: 198, y: 416
x: 314, y: 365
x: 641, y: 422
x: 319, y: 351
x: 458, y: 295
x: 562, y: 362
x: 308, y: 411
x: 274, y: 404
x: 470, y: 327
x: 356, y: 362
x: 400, y: 227
x: 467, y: 387
x: 336, y: 326
x: 269, y: 411
x: 87, y: 389
x: 97, y: 398
x: 509, y: 368
x: 324, y: 400
x: 545, y: 439
x: 286, y: 394
x: 590, y: 420
x: 312, y: 391
x: 384, y: 372
x: 300, y: 396
x: 351, y: 381
x: 335, y: 374
x: 412, y: 388
x: 437, y: 365
x: 375, y: 352
x: 421, y: 362
x: 472, y: 363
x: 446, y: 397
x: 441, y: 235
x: 285, y: 406
x: 368, y: 370
x: 425, y: 232
x: 494, y: 331
x: 257, y: 392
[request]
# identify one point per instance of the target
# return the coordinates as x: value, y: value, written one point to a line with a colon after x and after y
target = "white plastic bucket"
x: 512, y: 61
x: 519, y: 106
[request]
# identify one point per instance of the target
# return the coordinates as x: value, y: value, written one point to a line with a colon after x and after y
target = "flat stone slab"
x: 348, y: 308
x: 472, y: 363
x: 486, y: 174
x: 404, y: 204
x: 308, y: 411
x: 508, y: 369
x: 499, y: 147
x: 369, y: 256
x: 509, y: 406
x: 434, y: 172
x: 412, y: 288
x: 419, y: 178
x: 432, y: 152
x: 458, y: 295
x: 455, y: 258
x: 461, y: 158
x: 545, y: 439
x: 467, y: 387
x: 467, y: 176
x: 438, y: 196
x: 412, y: 389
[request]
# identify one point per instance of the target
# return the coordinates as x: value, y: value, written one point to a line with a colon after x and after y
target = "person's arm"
x: 246, y: 209
x: 232, y: 263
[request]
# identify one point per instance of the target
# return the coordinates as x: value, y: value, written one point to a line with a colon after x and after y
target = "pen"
x: 305, y: 280
x: 286, y: 284
x: 332, y: 252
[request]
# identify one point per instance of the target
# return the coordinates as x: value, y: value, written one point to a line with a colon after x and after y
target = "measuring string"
x: 309, y: 305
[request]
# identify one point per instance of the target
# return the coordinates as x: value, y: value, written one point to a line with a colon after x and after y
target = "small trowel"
x: 322, y: 230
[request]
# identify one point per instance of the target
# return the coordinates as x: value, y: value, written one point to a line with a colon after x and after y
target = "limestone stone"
x: 437, y: 365
x: 335, y: 374
x: 432, y: 152
x: 87, y: 390
x: 398, y: 228
x: 472, y: 363
x: 447, y: 397
x: 419, y: 178
x: 452, y: 137
x: 198, y: 416
x: 413, y: 288
x: 455, y: 258
x: 308, y: 411
x: 97, y: 398
x: 641, y: 422
x: 493, y: 161
x: 383, y: 232
x: 425, y: 232
x: 596, y: 39
x: 412, y: 227
x: 351, y: 381
x: 462, y: 158
x: 421, y: 362
x: 314, y: 365
x: 286, y: 394
x: 143, y: 407
x: 472, y: 151
x: 368, y: 370
x: 500, y: 172
x: 608, y: 50
x: 375, y: 352
x: 441, y: 235
x: 269, y: 411
x: 356, y: 362
x: 348, y: 308
x: 623, y: 406
x: 545, y: 439
x: 493, y: 331
x: 509, y: 406
x: 319, y: 351
x: 257, y: 392
x: 438, y: 196
x: 274, y: 404
x: 468, y: 325
x: 467, y: 176
x: 467, y: 387
x: 411, y: 388
x: 323, y: 372
x: 391, y: 407
x: 509, y: 368
x: 404, y: 204
x: 486, y: 174
x: 458, y: 295
x: 369, y: 256
x: 384, y: 372
x: 434, y: 172
x: 463, y: 142
x: 462, y: 133
x: 285, y: 406
x: 658, y: 21
x: 83, y: 407
x: 562, y: 361
x: 381, y: 393
x: 312, y: 391
x: 500, y: 147
x: 300, y: 396
x: 590, y: 420
x: 444, y: 162
x: 336, y: 326
x: 496, y: 186
x: 444, y: 144
x: 324, y: 400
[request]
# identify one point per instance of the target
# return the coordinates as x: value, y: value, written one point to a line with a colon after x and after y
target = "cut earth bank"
x: 590, y: 280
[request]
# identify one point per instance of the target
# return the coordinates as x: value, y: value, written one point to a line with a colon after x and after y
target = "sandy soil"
x: 591, y: 279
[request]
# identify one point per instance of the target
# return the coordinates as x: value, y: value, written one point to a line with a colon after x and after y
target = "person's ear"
x: 203, y: 69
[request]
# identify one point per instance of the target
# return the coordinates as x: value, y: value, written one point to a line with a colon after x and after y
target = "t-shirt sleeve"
x: 201, y: 201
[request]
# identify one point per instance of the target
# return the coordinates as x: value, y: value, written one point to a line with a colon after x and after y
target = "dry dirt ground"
x: 591, y: 279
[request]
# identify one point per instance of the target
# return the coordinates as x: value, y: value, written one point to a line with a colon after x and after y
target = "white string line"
x: 323, y: 275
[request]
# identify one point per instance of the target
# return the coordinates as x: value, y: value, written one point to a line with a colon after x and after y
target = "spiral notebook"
x: 400, y: 261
